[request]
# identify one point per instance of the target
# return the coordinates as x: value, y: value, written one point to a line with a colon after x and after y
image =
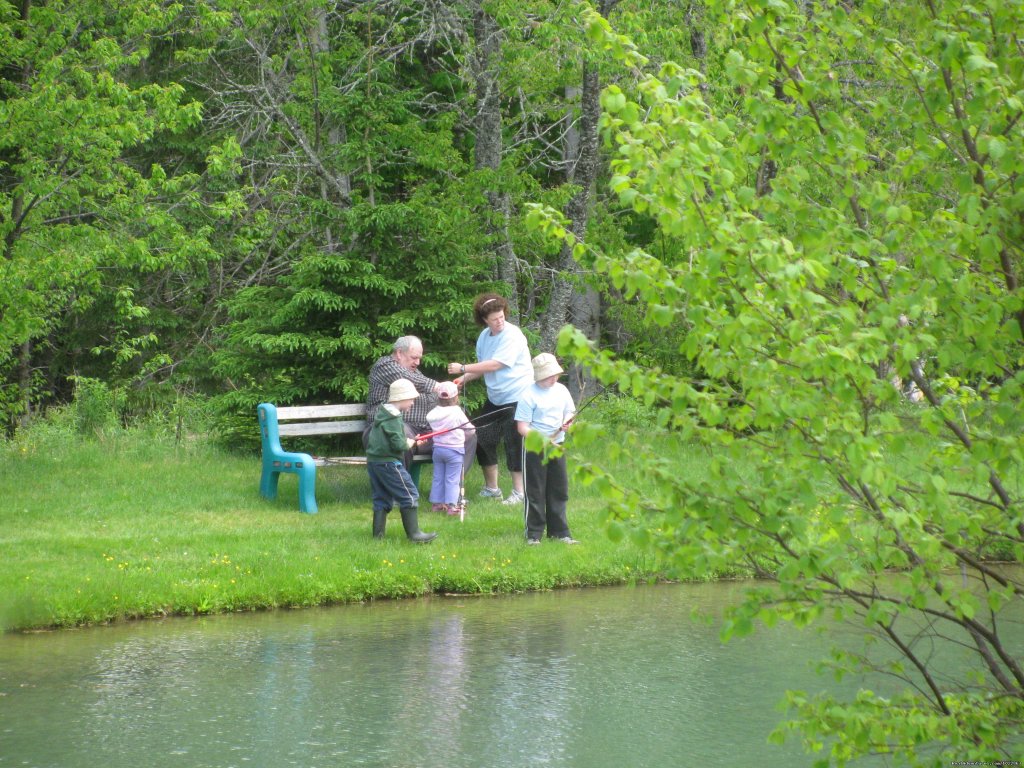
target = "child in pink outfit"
x: 449, y: 448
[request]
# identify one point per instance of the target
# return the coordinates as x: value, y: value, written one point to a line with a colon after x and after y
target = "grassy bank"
x: 130, y: 526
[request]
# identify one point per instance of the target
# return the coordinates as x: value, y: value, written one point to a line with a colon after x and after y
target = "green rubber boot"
x: 412, y: 527
x: 380, y: 519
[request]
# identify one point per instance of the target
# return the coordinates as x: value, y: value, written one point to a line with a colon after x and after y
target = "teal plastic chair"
x: 276, y: 460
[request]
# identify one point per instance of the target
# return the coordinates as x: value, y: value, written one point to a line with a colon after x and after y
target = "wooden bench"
x: 305, y: 421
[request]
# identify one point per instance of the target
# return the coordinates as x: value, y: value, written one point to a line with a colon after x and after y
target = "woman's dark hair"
x: 487, y: 304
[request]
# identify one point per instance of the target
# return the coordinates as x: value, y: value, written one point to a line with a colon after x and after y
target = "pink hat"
x: 447, y: 390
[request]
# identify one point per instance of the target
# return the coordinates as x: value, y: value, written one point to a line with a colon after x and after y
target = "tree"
x: 434, y: 165
x: 489, y: 143
x: 363, y: 169
x: 582, y: 163
x: 891, y: 232
x: 76, y: 214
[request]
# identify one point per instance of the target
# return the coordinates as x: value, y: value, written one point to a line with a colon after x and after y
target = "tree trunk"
x: 584, y: 302
x: 320, y: 45
x: 698, y: 42
x: 488, y: 149
x: 569, y: 301
x: 25, y: 381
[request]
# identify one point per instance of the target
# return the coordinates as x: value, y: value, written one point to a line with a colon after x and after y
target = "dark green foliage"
x: 275, y: 191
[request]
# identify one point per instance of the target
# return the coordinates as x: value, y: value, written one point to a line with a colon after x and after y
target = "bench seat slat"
x: 327, y: 461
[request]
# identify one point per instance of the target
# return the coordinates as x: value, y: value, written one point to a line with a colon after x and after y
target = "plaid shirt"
x: 387, y: 370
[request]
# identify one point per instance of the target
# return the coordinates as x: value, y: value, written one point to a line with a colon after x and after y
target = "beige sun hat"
x: 402, y: 389
x: 545, y: 364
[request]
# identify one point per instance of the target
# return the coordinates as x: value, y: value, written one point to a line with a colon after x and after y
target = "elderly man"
x: 403, y: 363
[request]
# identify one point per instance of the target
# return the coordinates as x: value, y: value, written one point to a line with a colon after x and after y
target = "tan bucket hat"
x: 402, y: 389
x: 545, y: 364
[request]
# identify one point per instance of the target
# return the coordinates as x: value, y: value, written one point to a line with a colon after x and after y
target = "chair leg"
x: 307, y: 488
x: 268, y: 483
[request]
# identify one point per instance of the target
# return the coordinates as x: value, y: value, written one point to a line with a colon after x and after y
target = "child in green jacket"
x: 385, y: 448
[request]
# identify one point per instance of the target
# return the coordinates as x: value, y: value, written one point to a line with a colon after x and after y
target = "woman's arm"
x: 473, y: 371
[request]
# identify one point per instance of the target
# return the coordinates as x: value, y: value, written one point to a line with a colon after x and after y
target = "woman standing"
x: 503, y: 362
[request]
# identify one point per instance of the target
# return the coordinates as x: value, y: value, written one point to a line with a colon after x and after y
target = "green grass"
x: 131, y: 526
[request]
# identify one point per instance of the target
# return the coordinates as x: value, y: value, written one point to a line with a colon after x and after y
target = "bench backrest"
x: 303, y: 420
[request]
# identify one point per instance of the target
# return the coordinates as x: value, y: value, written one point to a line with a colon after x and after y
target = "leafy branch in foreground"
x: 844, y: 214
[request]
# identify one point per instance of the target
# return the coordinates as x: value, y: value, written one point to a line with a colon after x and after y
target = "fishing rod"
x: 462, y: 492
x: 428, y: 435
x: 462, y: 476
x: 582, y: 407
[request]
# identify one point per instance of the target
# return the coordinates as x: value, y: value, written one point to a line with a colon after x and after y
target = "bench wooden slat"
x: 321, y: 428
x: 320, y: 411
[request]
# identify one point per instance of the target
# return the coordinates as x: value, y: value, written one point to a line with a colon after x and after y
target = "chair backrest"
x: 270, y: 435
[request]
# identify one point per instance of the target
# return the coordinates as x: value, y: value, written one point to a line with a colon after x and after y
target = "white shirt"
x: 546, y: 410
x: 510, y: 348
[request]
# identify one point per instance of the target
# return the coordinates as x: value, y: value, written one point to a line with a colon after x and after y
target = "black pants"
x: 498, y: 428
x: 546, y: 481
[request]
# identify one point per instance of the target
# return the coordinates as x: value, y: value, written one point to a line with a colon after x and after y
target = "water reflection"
x: 601, y: 677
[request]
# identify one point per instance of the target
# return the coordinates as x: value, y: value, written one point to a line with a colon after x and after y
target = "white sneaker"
x: 513, y: 498
x: 491, y: 493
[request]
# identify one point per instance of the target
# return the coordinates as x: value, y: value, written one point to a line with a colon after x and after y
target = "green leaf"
x: 662, y: 315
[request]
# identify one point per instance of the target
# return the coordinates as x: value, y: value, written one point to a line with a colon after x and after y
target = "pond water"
x: 591, y: 678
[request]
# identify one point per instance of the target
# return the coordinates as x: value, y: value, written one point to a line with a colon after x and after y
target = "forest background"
x: 792, y: 229
x: 253, y: 200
